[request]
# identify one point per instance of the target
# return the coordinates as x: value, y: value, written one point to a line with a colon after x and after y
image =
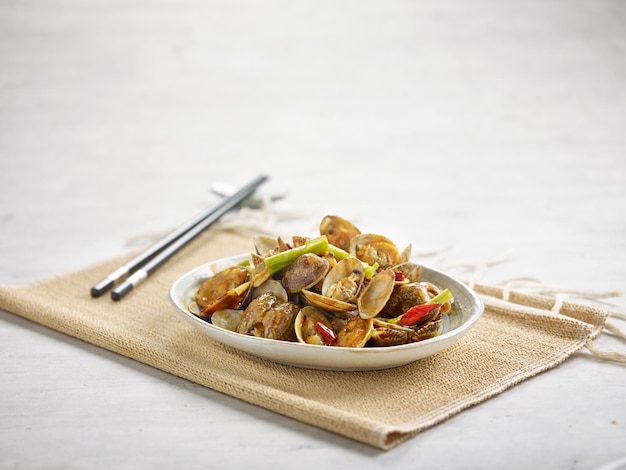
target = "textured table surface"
x: 479, y: 130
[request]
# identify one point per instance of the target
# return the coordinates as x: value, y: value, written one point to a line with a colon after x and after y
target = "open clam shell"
x: 344, y: 280
x: 221, y: 283
x: 355, y: 332
x: 338, y: 230
x: 326, y: 303
x: 304, y: 325
x: 376, y: 294
x: 374, y: 249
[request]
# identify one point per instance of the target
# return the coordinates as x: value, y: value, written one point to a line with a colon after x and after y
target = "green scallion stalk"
x: 337, y: 252
x: 281, y: 260
x: 443, y: 297
x: 370, y: 269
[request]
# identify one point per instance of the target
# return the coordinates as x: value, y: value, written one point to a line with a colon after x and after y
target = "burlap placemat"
x: 509, y: 344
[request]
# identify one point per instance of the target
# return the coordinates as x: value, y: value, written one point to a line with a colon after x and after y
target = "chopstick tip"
x: 121, y: 290
x: 101, y: 288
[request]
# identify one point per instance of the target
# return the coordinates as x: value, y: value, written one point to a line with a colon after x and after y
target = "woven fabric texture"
x: 510, y: 343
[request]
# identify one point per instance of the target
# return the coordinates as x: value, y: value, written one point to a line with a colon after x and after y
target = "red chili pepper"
x: 327, y: 334
x: 416, y: 313
x: 399, y: 276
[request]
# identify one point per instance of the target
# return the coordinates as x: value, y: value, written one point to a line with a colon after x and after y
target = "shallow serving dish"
x: 331, y: 357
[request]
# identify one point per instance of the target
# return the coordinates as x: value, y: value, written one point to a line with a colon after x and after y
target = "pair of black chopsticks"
x: 140, y: 268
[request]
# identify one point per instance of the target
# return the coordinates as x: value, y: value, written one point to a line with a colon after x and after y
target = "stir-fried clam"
x: 344, y: 288
x: 338, y: 230
x: 228, y: 289
x: 374, y: 249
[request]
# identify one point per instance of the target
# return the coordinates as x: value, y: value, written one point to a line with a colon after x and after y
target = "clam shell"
x: 227, y: 318
x: 429, y: 330
x: 326, y: 303
x: 376, y: 294
x: 304, y: 272
x: 234, y: 298
x: 218, y: 285
x: 265, y: 245
x: 269, y: 317
x: 412, y: 271
x: 385, y: 336
x: 344, y: 280
x: 355, y: 332
x: 338, y: 231
x: 373, y: 248
x: 304, y: 325
x: 273, y: 287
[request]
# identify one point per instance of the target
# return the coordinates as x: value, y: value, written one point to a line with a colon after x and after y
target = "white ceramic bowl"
x: 331, y: 357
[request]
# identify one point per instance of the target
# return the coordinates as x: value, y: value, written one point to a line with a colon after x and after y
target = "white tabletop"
x: 479, y: 130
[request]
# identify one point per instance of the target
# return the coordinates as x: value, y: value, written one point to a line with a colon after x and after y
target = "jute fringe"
x: 558, y: 294
x: 516, y: 290
x: 607, y: 355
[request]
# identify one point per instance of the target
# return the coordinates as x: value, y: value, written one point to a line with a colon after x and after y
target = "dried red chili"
x: 327, y: 334
x: 416, y: 313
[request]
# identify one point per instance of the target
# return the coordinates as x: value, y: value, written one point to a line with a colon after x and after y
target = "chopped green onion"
x: 337, y: 252
x: 443, y: 297
x: 283, y: 259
